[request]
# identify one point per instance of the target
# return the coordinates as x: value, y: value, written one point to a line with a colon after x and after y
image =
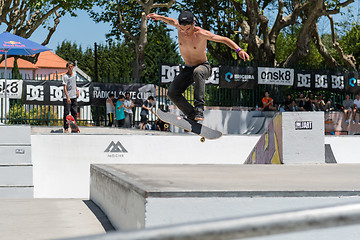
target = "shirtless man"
x: 192, y: 44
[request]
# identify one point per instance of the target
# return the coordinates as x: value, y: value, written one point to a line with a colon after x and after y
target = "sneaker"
x: 199, y: 116
x: 353, y: 122
x: 347, y: 121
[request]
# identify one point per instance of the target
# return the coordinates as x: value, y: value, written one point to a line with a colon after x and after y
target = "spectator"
x: 301, y: 102
x: 120, y: 115
x: 356, y: 107
x: 320, y: 103
x: 313, y: 101
x: 145, y: 111
x: 268, y: 102
x: 308, y: 105
x: 289, y: 103
x: 161, y: 126
x: 129, y: 105
x: 348, y: 105
x: 110, y: 109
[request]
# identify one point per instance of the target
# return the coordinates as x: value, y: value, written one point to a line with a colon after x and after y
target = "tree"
x: 24, y: 17
x: 351, y: 42
x: 114, y: 60
x: 161, y: 49
x: 259, y: 31
x: 128, y: 19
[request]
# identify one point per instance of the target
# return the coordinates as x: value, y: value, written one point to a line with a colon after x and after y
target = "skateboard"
x: 72, y: 123
x: 188, y: 125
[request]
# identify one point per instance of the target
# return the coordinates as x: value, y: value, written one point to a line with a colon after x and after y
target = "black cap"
x: 186, y: 18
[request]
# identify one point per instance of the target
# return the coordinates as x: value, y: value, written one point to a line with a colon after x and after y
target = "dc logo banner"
x: 34, y: 93
x: 337, y: 82
x: 56, y: 94
x: 168, y: 73
x: 51, y: 93
x: 214, y: 78
x: 321, y: 81
x: 84, y: 94
x: 303, y: 80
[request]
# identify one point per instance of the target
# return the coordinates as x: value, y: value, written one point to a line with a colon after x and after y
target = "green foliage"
x: 160, y: 49
x: 114, y: 60
x: 15, y: 72
x: 350, y: 42
x: 41, y: 115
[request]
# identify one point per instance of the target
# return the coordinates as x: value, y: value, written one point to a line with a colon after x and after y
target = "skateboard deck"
x: 189, y: 125
x: 72, y: 123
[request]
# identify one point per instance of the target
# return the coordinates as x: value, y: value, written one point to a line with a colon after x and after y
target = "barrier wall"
x: 62, y: 161
x: 291, y: 137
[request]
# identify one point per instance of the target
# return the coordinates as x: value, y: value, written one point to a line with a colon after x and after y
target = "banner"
x: 13, y: 88
x: 238, y: 77
x: 319, y: 80
x: 51, y: 93
x: 169, y: 72
x: 276, y: 76
x: 352, y: 82
x: 138, y: 92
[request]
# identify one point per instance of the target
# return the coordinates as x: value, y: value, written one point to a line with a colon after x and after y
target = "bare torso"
x: 193, y: 48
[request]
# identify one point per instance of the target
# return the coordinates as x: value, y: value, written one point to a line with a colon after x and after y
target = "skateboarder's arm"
x: 170, y: 21
x: 227, y: 41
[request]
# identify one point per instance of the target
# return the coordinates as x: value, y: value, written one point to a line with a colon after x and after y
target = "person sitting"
x: 301, y: 102
x: 289, y: 103
x: 348, y: 105
x: 268, y: 102
x: 356, y: 107
x: 320, y: 103
x: 308, y: 105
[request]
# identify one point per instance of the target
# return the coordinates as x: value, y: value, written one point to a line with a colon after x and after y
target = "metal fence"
x: 215, y: 96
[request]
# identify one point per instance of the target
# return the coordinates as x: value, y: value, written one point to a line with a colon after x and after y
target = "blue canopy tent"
x: 11, y: 44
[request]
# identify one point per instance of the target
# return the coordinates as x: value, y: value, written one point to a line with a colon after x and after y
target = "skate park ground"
x: 54, y: 218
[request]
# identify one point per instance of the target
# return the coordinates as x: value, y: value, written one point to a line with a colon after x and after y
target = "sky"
x: 85, y: 32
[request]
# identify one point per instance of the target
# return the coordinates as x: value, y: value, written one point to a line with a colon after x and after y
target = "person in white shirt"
x: 70, y: 94
x: 110, y: 109
x: 129, y: 105
x: 356, y: 107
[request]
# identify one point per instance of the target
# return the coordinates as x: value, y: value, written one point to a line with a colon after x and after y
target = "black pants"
x: 70, y: 108
x: 111, y: 119
x: 189, y: 75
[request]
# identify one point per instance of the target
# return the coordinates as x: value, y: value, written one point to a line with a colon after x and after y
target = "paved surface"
x: 239, y: 180
x: 34, y: 219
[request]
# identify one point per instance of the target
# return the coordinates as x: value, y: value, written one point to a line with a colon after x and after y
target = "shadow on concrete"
x: 100, y: 215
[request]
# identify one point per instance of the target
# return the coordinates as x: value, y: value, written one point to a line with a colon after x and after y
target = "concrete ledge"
x: 139, y: 196
x: 233, y: 180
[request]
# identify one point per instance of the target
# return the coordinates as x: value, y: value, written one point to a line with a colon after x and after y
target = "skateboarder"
x: 192, y: 44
